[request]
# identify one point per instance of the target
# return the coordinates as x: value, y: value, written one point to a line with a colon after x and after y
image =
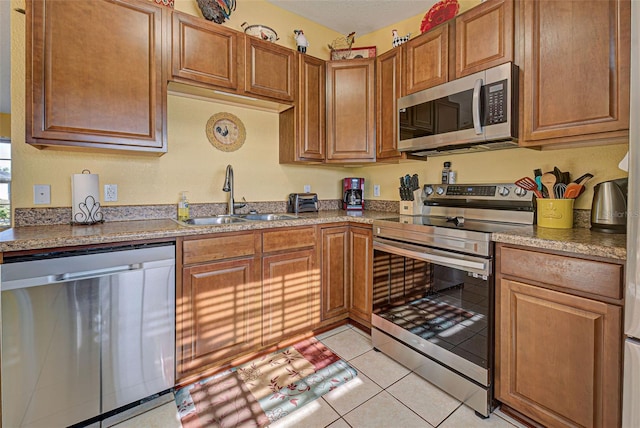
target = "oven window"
x: 447, y: 307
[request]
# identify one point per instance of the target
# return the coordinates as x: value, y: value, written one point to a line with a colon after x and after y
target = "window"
x: 5, y: 182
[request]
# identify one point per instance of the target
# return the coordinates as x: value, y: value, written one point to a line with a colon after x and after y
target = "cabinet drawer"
x: 589, y: 276
x: 288, y: 239
x: 219, y: 247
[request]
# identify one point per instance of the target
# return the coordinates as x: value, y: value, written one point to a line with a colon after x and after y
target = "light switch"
x: 376, y: 190
x: 41, y: 194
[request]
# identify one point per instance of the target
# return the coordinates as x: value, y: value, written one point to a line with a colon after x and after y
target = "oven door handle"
x: 479, y: 266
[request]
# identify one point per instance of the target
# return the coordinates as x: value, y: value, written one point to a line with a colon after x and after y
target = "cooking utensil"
x: 548, y: 181
x: 558, y: 190
x: 583, y: 178
x: 527, y: 183
x: 576, y: 188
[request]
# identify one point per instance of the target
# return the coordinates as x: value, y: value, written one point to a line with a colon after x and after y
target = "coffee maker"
x: 353, y: 194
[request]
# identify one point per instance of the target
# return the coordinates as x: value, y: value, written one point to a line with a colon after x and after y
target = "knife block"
x: 413, y: 207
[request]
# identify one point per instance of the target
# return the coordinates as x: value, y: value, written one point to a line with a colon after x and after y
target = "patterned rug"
x: 263, y: 390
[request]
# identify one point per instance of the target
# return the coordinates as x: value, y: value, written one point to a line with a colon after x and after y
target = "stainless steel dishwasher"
x: 87, y: 334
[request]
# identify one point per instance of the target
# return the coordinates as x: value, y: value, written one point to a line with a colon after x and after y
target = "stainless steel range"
x: 433, y: 288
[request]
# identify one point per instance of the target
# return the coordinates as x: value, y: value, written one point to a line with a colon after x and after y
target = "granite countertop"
x: 62, y: 235
x: 577, y: 240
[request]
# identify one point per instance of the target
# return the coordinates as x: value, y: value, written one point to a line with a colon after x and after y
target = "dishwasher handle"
x: 75, y: 276
x: 87, y: 274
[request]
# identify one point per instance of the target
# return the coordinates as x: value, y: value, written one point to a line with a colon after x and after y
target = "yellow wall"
x: 5, y: 125
x: 192, y: 164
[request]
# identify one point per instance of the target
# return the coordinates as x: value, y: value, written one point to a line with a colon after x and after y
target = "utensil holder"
x: 555, y: 213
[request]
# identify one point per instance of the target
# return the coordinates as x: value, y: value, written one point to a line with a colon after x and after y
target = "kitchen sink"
x: 237, y: 218
x: 204, y: 221
x: 268, y: 217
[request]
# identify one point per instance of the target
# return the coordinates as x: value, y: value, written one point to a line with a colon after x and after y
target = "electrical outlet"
x: 307, y: 188
x: 41, y: 194
x: 376, y: 190
x: 110, y: 192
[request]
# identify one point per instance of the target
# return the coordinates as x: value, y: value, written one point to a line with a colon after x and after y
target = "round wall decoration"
x: 226, y: 132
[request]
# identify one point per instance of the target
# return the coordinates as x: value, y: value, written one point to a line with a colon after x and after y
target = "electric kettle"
x: 609, y: 206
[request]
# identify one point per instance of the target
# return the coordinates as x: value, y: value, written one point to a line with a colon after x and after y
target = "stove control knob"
x: 521, y: 192
x: 439, y: 190
x: 428, y: 190
x: 503, y: 191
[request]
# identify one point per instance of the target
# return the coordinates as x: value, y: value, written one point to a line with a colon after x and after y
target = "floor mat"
x: 263, y: 390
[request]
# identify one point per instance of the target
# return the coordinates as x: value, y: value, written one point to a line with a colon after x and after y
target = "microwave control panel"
x: 496, y: 100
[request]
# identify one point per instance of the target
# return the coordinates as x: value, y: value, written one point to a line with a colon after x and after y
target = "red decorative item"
x: 440, y: 12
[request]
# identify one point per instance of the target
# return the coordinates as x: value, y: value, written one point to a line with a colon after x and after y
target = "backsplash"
x: 49, y: 216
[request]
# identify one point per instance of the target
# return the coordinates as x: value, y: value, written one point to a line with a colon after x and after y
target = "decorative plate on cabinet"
x: 440, y: 12
x: 225, y: 132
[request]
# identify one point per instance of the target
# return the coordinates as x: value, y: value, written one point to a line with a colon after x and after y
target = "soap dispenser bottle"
x: 183, y: 207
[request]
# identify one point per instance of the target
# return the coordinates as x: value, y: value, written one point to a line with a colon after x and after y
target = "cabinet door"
x: 270, y: 70
x: 351, y: 110
x: 427, y: 59
x: 335, y: 272
x: 559, y: 357
x: 303, y: 127
x: 290, y: 294
x: 576, y: 71
x: 218, y: 313
x: 484, y: 37
x: 388, y: 90
x: 361, y: 275
x: 204, y: 52
x: 94, y: 75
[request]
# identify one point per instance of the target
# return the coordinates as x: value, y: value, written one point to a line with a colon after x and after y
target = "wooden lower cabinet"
x: 335, y: 272
x: 290, y: 294
x: 558, y: 358
x: 361, y: 274
x: 218, y: 312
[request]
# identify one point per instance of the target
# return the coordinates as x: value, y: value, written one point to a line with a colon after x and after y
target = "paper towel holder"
x: 87, y: 212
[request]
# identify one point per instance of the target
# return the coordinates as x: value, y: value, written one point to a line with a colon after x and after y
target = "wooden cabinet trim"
x: 204, y: 52
x: 592, y: 108
x: 427, y: 59
x: 220, y: 247
x: 55, y: 118
x: 484, y: 37
x: 288, y: 238
x: 593, y: 277
x: 578, y: 339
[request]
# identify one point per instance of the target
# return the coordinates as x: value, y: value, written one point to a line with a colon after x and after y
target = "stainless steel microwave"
x: 474, y: 113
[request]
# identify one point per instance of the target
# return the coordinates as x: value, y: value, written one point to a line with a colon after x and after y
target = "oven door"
x: 438, y: 303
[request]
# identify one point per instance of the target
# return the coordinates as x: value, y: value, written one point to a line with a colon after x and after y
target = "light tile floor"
x: 385, y: 394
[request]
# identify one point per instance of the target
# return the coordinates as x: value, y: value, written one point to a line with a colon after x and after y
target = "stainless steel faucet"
x: 228, y: 187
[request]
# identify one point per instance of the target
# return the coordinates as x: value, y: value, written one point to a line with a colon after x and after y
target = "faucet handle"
x: 240, y: 204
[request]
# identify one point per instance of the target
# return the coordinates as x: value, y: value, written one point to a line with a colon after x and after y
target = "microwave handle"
x: 477, y: 87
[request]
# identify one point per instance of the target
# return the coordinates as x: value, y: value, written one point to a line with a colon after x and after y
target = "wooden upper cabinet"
x: 388, y: 89
x: 427, y: 59
x: 95, y: 75
x: 484, y: 37
x: 205, y: 52
x: 576, y: 71
x: 270, y: 70
x: 303, y: 127
x: 351, y: 111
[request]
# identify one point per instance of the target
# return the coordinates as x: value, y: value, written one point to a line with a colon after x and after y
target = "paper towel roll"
x: 85, y: 195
